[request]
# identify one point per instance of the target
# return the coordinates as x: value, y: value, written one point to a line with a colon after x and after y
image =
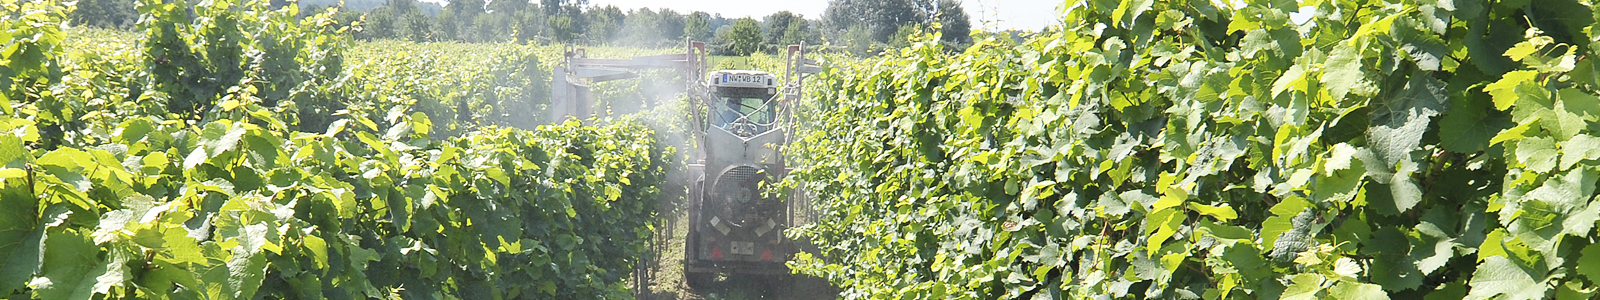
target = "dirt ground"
x: 667, y: 282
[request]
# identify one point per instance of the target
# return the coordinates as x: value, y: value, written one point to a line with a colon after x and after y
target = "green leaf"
x: 1499, y: 276
x: 1303, y: 286
x: 1580, y: 103
x: 1505, y: 91
x: 1455, y: 290
x: 195, y: 158
x: 21, y: 241
x: 318, y: 248
x: 420, y: 123
x: 1431, y: 254
x: 1282, y: 221
x: 1170, y: 197
x: 1579, y: 148
x: 11, y: 151
x: 1341, y: 176
x: 227, y: 141
x: 1297, y: 239
x: 1404, y: 191
x: 1290, y: 78
x: 1589, y: 262
x: 1423, y: 48
x: 1392, y: 267
x: 1521, y: 50
x: 1356, y: 290
x: 1469, y: 127
x: 71, y: 267
x: 1228, y: 232
x: 1222, y: 213
x: 1514, y: 133
x: 1537, y: 154
x: 1342, y: 71
x: 1399, y: 122
x: 1161, y: 226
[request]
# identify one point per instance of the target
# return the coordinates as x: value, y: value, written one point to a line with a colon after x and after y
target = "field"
x: 1148, y: 150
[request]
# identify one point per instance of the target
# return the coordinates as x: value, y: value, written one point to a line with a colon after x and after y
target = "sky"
x: 996, y: 14
x: 986, y: 14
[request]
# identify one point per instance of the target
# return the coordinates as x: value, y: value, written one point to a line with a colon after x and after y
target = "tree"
x: 697, y: 26
x: 671, y: 24
x: 417, y: 27
x: 955, y: 25
x: 564, y: 19
x: 381, y: 23
x: 786, y: 28
x: 641, y: 28
x: 741, y: 38
x: 115, y: 14
x: 604, y: 23
x: 507, y: 6
x: 886, y: 21
x: 466, y: 8
x: 857, y: 40
x: 530, y: 24
x: 882, y: 18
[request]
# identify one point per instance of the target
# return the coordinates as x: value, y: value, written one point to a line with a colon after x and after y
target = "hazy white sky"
x: 1001, y: 14
x: 989, y: 14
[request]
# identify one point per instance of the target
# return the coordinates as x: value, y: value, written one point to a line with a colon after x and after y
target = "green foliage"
x: 195, y: 58
x: 461, y: 86
x: 1176, y: 149
x: 859, y: 25
x: 740, y: 39
x: 124, y: 200
x: 113, y: 14
x: 697, y: 26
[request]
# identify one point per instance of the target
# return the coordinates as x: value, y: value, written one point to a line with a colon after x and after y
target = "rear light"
x: 716, y: 252
x: 766, y: 255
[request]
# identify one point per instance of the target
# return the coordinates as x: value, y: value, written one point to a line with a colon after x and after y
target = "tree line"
x: 862, y: 27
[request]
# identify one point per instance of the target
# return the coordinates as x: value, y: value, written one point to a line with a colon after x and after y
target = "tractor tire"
x: 699, y: 280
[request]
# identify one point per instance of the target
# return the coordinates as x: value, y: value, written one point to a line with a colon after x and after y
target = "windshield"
x: 750, y: 104
x: 753, y: 108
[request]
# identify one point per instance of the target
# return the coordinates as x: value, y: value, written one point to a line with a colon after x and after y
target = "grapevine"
x: 1195, y: 149
x: 232, y: 153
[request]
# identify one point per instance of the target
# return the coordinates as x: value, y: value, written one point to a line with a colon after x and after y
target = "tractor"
x: 741, y: 120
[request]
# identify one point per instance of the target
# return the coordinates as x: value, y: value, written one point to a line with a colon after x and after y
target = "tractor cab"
x: 745, y: 101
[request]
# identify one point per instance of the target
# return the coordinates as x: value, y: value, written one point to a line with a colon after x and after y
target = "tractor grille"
x: 738, y: 194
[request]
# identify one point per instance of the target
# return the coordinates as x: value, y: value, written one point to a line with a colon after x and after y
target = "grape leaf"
x: 1580, y: 103
x: 71, y: 264
x: 1399, y: 122
x: 1392, y: 266
x: 1294, y: 76
x: 1499, y: 276
x: 1423, y: 48
x: 1469, y: 126
x: 1505, y: 90
x: 1431, y: 254
x: 1356, y: 290
x: 20, y: 252
x: 1589, y: 262
x: 1342, y: 71
x: 1304, y: 286
x: 1537, y: 154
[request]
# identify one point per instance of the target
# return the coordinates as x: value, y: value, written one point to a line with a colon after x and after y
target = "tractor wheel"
x: 699, y: 280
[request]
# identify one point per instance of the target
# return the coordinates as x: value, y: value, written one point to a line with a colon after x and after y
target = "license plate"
x: 740, y: 78
x: 743, y: 248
